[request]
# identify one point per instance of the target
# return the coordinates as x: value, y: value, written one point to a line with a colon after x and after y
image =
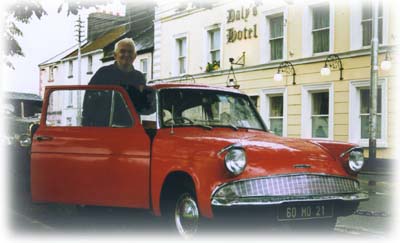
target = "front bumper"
x: 274, y: 200
x: 288, y: 188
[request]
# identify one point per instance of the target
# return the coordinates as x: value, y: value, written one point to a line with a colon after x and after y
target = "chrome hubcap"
x: 186, y: 216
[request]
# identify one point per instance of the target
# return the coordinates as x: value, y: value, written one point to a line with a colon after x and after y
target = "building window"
x: 254, y: 99
x: 51, y: 74
x: 317, y: 111
x: 276, y: 37
x: 214, y: 37
x: 320, y: 28
x: 364, y: 113
x: 70, y: 69
x: 320, y: 114
x: 359, y: 113
x: 90, y: 65
x: 181, y: 44
x: 273, y: 110
x: 143, y: 67
x: 366, y: 22
x: 70, y: 99
x: 276, y: 114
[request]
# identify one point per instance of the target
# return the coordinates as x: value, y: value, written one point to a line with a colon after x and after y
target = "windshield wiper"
x: 232, y: 126
x: 204, y: 126
x: 194, y: 124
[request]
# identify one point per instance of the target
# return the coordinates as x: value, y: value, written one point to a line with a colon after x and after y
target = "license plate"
x: 305, y: 211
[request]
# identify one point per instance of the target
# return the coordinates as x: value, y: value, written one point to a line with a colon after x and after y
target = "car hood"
x: 278, y: 155
x: 267, y: 154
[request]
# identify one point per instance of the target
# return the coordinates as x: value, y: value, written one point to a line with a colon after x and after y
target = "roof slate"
x: 21, y: 96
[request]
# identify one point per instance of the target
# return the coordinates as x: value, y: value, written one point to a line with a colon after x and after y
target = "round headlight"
x: 356, y: 161
x: 235, y: 161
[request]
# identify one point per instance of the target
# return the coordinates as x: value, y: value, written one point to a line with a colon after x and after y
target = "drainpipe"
x: 373, y: 82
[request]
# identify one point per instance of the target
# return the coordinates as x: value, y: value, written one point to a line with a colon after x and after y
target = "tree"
x: 24, y: 10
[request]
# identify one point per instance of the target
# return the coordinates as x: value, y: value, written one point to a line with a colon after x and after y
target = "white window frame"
x: 90, y: 65
x: 207, y: 42
x: 356, y: 27
x: 51, y: 74
x: 354, y: 113
x: 307, y: 38
x: 142, y: 60
x: 306, y: 108
x: 265, y: 47
x: 265, y: 94
x: 70, y: 69
x: 175, y: 54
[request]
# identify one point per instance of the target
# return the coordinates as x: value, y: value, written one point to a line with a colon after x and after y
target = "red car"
x: 197, y: 149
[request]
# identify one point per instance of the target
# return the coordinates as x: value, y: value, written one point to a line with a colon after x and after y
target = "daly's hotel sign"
x: 236, y: 15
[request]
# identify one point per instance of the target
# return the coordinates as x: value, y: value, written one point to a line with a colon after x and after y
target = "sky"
x: 42, y: 39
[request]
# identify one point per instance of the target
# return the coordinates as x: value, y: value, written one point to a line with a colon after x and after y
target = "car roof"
x: 160, y: 86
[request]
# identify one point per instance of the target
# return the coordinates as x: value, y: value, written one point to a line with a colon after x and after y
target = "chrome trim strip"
x: 279, y: 175
x: 234, y: 145
x: 349, y: 150
x: 354, y: 197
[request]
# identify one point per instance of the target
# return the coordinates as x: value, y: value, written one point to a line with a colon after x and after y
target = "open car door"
x: 90, y: 148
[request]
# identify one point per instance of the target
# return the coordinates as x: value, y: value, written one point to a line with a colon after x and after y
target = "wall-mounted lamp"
x: 332, y: 61
x: 386, y: 64
x: 285, y: 67
x: 232, y: 82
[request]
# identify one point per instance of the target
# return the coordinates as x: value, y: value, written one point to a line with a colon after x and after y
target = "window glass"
x: 98, y: 108
x: 143, y: 67
x: 90, y: 64
x: 320, y: 114
x: 364, y: 112
x: 276, y: 38
x: 70, y: 69
x: 207, y: 108
x: 214, y: 36
x: 182, y: 52
x: 320, y: 30
x: 366, y: 23
x: 276, y: 114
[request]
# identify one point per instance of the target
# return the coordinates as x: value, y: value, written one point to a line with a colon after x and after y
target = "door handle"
x: 43, y: 138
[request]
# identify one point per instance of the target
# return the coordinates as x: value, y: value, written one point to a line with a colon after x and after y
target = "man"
x: 121, y: 73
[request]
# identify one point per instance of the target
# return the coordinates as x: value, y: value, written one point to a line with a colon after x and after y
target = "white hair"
x: 128, y: 41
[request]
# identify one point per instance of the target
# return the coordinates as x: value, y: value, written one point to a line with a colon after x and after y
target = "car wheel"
x: 186, y: 215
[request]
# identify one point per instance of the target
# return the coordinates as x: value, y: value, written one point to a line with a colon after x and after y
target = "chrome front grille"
x: 292, y: 185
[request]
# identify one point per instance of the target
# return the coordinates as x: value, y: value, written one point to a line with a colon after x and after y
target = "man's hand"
x: 141, y: 88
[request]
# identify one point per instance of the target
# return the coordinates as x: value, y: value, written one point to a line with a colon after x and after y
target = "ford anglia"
x: 195, y: 150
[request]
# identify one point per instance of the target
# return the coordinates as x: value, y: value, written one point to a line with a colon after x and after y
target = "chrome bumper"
x: 276, y: 200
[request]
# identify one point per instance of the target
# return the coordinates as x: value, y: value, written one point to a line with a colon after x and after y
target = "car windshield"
x: 207, y: 108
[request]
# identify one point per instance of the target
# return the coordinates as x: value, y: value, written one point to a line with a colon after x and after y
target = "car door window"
x: 90, y: 108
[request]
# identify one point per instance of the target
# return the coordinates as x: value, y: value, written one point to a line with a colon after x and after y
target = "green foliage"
x: 212, y: 66
x: 23, y: 11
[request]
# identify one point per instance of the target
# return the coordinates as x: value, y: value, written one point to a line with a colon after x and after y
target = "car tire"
x: 183, y: 215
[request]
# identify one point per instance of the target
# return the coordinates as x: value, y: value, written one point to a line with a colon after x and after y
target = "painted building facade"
x: 197, y: 40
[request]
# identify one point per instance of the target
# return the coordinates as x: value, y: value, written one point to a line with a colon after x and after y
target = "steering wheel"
x: 177, y: 118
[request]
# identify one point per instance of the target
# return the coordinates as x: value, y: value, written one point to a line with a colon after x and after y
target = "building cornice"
x: 272, y: 65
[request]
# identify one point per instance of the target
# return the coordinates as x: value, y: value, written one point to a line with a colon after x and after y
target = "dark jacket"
x: 96, y: 105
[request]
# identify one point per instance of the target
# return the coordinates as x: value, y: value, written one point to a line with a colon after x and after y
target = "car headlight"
x: 235, y: 161
x: 356, y: 160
